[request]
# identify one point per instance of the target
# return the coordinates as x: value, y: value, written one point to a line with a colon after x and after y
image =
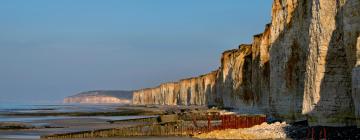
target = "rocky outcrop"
x: 304, y: 66
x: 101, y: 97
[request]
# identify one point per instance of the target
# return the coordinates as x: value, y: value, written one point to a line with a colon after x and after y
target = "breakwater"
x: 171, y: 125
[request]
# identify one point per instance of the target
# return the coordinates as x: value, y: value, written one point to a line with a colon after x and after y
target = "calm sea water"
x: 46, y: 120
x: 55, y: 107
x: 18, y: 108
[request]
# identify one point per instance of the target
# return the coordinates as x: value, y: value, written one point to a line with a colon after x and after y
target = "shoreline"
x: 163, y: 125
x: 78, y: 121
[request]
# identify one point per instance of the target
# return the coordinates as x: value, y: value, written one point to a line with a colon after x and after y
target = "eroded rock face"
x: 304, y: 66
x: 243, y: 78
x: 327, y: 93
x: 356, y: 83
x: 287, y: 59
x: 351, y: 37
x: 193, y: 91
x: 311, y: 58
x: 234, y: 79
x: 356, y: 93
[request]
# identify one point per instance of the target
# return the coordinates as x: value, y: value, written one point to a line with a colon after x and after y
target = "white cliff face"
x: 97, y: 100
x: 101, y: 97
x: 287, y: 59
x: 304, y: 66
x: 351, y: 22
x: 209, y: 82
x: 356, y: 93
x: 327, y: 96
x: 311, y: 59
x: 356, y: 83
x: 192, y: 91
x: 234, y: 79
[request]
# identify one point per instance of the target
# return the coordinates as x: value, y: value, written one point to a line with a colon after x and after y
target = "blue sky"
x: 52, y: 49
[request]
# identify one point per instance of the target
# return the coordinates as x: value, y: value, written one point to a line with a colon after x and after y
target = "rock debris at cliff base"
x: 284, y: 131
x: 263, y: 131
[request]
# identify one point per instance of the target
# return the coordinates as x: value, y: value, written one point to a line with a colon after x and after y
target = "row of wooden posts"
x: 232, y: 121
x: 178, y: 128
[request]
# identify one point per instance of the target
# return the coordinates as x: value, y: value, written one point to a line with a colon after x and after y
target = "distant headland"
x: 101, y: 97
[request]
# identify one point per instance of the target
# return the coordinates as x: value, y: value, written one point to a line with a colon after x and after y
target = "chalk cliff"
x: 304, y: 66
x: 101, y: 97
x: 192, y: 91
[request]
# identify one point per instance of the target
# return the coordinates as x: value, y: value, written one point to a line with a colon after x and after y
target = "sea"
x: 33, y: 120
x: 58, y: 108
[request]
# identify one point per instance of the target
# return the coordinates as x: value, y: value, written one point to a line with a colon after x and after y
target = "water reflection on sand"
x: 29, y: 119
x: 44, y: 125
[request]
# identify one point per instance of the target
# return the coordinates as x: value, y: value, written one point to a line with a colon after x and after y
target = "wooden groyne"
x: 170, y: 125
x: 154, y: 119
x: 168, y: 129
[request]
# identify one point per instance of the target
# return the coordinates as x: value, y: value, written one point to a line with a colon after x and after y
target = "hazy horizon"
x: 53, y: 49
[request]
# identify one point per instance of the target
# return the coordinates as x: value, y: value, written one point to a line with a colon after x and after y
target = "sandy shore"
x: 67, y: 122
x: 65, y: 126
x: 264, y: 131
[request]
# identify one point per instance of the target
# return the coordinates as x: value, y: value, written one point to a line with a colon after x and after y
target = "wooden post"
x: 209, y: 122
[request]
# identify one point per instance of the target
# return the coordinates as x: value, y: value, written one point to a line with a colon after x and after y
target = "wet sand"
x: 33, y: 123
x: 76, y: 121
x: 56, y: 126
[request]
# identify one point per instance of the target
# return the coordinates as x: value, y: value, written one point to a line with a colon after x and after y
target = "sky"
x: 50, y: 49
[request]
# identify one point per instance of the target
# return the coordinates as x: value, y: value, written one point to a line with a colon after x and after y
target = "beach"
x: 32, y: 122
